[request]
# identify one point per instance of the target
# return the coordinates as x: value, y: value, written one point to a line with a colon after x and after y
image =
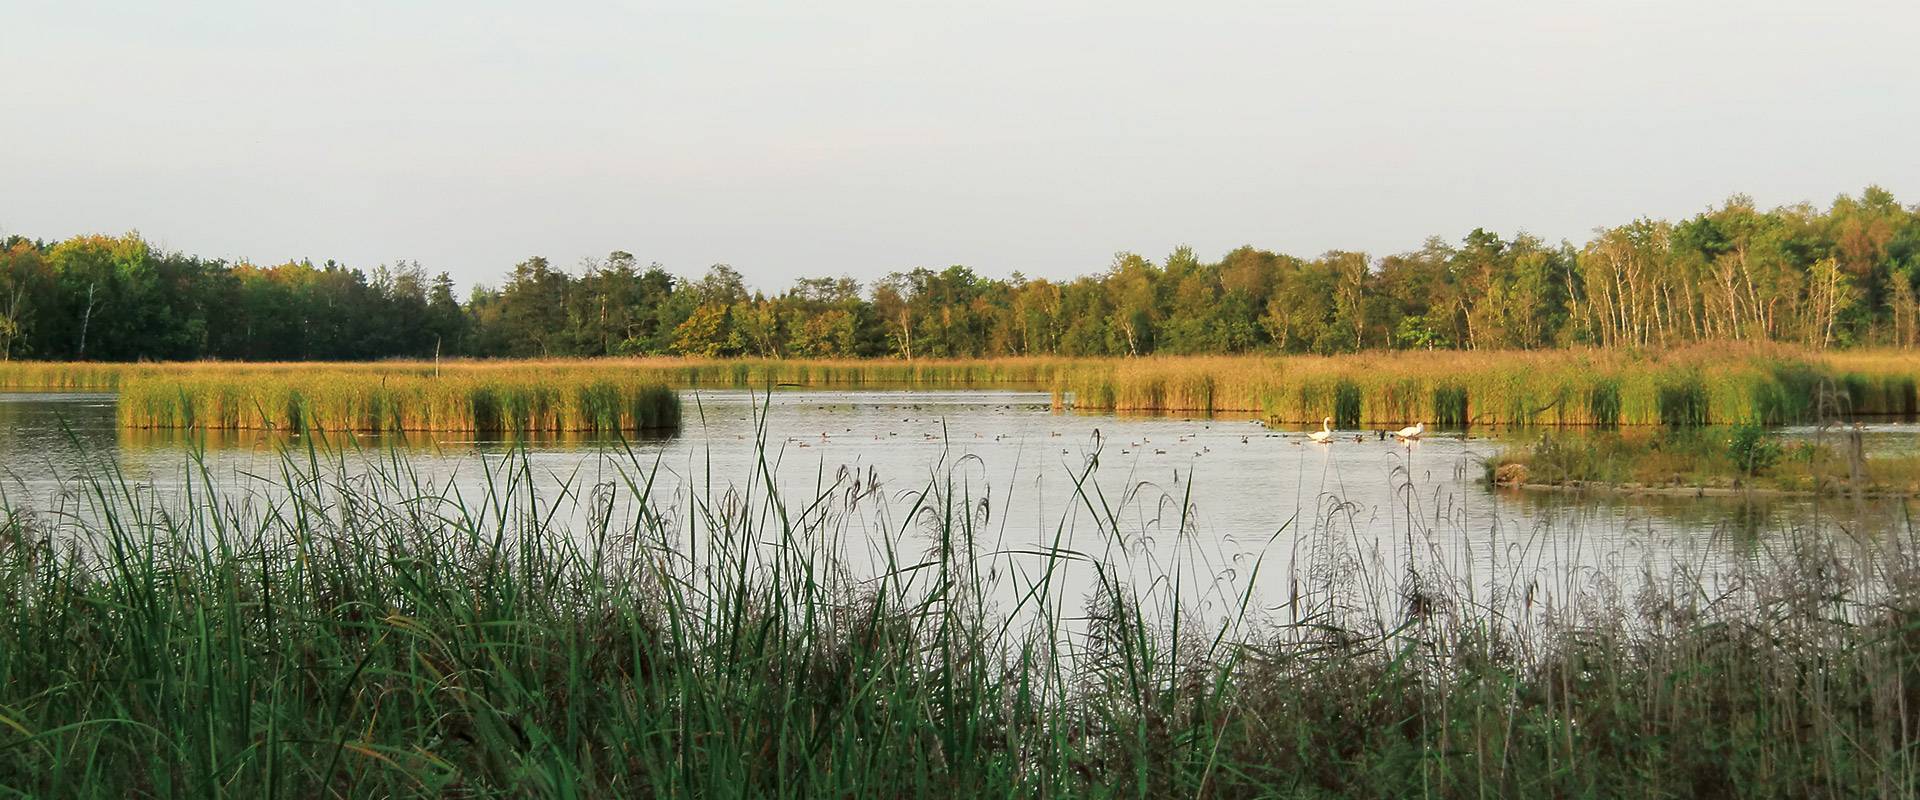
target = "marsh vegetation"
x: 1743, y: 458
x: 374, y: 633
x: 333, y: 622
x: 1701, y: 385
x: 496, y: 403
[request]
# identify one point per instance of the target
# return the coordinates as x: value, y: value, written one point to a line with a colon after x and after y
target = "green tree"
x: 533, y: 310
x: 708, y: 333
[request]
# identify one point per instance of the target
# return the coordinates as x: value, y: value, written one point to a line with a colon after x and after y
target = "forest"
x: 1848, y: 275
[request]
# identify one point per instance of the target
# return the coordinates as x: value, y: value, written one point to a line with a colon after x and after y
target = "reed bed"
x: 370, y: 633
x: 63, y: 375
x: 1706, y: 385
x: 1741, y: 458
x: 393, y: 401
x: 1701, y: 385
x: 676, y: 372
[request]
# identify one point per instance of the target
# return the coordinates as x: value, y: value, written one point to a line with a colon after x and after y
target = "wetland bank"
x: 951, y: 536
x: 890, y: 400
x: 852, y: 587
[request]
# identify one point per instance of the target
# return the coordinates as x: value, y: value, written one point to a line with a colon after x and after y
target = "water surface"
x: 1210, y: 496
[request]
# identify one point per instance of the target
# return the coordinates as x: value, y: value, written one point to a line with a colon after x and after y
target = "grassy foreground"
x: 371, y: 633
x: 1701, y: 385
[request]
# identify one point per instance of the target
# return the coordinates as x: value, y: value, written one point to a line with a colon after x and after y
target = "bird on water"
x: 1325, y: 434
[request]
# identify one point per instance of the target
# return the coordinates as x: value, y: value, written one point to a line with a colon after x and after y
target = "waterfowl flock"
x: 1411, y: 433
x: 1326, y: 435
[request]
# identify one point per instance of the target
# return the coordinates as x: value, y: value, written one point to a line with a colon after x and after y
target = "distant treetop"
x: 1848, y: 275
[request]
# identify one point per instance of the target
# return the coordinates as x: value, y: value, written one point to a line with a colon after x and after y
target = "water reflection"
x: 1217, y: 491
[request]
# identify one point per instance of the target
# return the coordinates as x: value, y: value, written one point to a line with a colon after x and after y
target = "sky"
x: 858, y: 138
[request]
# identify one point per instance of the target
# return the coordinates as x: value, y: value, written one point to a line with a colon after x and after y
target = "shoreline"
x: 1642, y: 490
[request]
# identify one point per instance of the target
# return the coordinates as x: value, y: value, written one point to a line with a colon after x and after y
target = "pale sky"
x: 827, y: 138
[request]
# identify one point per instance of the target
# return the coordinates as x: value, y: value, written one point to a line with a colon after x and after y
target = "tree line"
x: 1846, y: 275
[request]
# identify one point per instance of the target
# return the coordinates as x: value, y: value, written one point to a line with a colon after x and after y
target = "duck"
x: 1325, y: 434
x: 1411, y: 433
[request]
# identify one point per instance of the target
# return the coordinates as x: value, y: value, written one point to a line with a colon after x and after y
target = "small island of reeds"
x: 1745, y: 458
x: 346, y: 398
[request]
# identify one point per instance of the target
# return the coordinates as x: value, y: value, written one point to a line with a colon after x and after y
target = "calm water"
x: 1210, y: 495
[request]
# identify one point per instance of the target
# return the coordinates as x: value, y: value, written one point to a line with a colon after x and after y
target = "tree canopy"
x: 1846, y: 275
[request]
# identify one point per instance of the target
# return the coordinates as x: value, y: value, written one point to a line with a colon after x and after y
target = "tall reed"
x: 337, y: 399
x: 1707, y: 384
x: 1701, y: 385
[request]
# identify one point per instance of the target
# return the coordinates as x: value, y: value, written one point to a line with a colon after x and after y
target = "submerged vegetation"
x: 369, y: 633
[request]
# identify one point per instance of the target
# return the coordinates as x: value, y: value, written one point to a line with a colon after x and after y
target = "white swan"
x: 1325, y: 434
x: 1412, y: 433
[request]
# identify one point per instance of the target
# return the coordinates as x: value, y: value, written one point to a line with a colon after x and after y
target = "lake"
x: 1204, y: 497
